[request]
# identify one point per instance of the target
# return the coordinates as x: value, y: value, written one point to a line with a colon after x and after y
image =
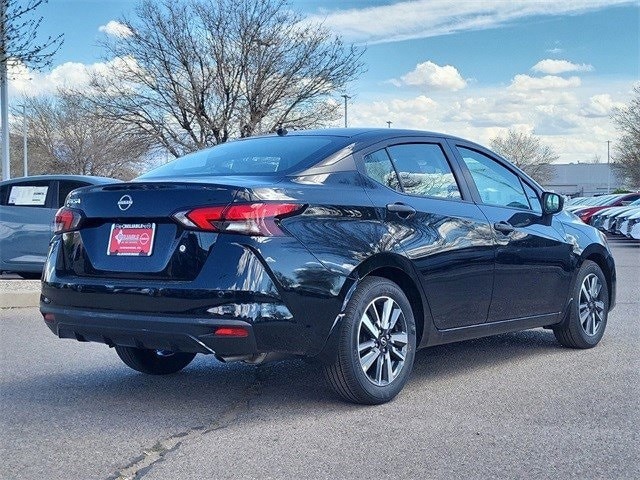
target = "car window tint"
x: 65, y: 187
x: 29, y: 194
x: 496, y: 184
x: 424, y: 170
x: 378, y: 167
x: 534, y: 201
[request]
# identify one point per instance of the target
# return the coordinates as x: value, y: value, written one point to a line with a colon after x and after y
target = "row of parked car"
x: 617, y: 214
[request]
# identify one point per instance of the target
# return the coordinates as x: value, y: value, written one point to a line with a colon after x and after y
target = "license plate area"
x: 131, y: 239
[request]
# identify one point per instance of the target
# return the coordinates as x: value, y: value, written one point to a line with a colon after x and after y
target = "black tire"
x: 346, y: 374
x: 154, y: 362
x: 31, y: 275
x: 585, y: 332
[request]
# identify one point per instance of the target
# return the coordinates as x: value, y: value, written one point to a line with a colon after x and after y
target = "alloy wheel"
x: 591, y: 306
x: 382, y: 341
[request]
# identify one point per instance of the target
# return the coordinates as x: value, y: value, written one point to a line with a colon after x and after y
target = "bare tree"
x: 526, y: 152
x: 627, y: 150
x: 19, y: 33
x: 67, y: 136
x: 195, y: 73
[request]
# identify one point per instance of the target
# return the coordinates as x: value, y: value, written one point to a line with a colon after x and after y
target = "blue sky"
x: 471, y: 68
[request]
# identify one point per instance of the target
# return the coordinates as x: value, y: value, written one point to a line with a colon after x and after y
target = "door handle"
x: 401, y: 209
x: 504, y: 227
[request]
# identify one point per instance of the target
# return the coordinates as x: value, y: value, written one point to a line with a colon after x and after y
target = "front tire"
x: 589, y: 311
x: 154, y: 362
x: 376, y: 344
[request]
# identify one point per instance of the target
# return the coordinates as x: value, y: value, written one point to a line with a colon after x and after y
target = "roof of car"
x: 80, y: 178
x: 368, y: 132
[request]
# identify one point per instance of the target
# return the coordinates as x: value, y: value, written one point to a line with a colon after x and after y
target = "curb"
x: 20, y: 299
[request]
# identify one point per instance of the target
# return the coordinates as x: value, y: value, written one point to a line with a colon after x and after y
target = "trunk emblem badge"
x: 125, y: 202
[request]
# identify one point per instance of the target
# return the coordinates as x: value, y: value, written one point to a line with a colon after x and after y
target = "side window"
x: 65, y: 186
x: 496, y: 184
x: 378, y: 167
x: 534, y: 201
x: 29, y: 193
x: 424, y: 170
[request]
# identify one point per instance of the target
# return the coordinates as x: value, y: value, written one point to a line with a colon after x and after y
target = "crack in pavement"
x: 142, y: 464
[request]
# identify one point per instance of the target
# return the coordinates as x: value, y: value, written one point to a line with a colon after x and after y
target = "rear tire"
x: 154, y: 362
x: 376, y: 344
x: 589, y: 310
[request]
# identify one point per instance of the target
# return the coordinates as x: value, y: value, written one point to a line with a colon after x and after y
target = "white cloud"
x: 433, y: 76
x: 429, y: 18
x: 69, y: 75
x: 601, y: 105
x: 555, y: 51
x: 571, y: 117
x: 116, y: 29
x: 526, y: 83
x: 554, y: 67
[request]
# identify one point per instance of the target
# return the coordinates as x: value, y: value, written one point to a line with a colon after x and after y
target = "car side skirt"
x: 440, y: 337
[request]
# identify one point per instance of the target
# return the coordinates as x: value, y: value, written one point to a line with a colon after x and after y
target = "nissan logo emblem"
x: 125, y: 202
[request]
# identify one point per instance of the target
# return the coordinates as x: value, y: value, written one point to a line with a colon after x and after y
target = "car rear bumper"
x: 162, y: 332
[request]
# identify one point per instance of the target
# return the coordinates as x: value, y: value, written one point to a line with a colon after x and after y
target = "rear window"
x: 259, y: 156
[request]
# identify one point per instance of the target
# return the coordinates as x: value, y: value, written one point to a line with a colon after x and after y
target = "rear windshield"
x: 256, y: 156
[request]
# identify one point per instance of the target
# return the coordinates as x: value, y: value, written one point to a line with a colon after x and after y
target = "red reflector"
x: 240, y: 332
x: 49, y: 317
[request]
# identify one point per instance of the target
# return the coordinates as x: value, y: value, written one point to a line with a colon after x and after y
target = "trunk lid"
x: 130, y: 208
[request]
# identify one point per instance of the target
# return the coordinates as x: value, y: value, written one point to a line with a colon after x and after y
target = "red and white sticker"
x: 134, y: 239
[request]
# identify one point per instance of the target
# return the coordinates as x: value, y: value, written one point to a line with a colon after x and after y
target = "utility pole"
x: 24, y: 140
x: 4, y: 93
x: 346, y: 97
x: 608, y: 167
x: 389, y: 122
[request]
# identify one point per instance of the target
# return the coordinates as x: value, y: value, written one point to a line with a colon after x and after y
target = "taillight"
x: 244, y: 218
x: 66, y: 220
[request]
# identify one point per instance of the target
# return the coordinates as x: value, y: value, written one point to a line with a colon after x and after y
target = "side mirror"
x: 551, y: 203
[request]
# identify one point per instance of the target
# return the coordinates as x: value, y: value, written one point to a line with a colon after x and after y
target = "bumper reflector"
x: 238, y: 332
x: 49, y: 317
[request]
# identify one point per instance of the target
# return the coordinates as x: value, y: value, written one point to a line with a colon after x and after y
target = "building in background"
x: 583, y: 179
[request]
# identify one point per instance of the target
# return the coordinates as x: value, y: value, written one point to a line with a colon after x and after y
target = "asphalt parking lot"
x: 511, y: 406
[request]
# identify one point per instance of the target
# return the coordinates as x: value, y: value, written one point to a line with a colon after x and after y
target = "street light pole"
x: 389, y: 122
x: 346, y: 97
x: 24, y: 140
x: 608, y: 167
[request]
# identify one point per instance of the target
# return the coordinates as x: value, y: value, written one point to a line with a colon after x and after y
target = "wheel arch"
x: 393, y: 267
x: 604, y: 260
x: 400, y: 271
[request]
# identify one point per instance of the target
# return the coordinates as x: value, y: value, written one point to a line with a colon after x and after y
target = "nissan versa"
x: 352, y: 247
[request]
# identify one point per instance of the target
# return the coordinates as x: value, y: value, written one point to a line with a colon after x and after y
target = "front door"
x: 533, y: 268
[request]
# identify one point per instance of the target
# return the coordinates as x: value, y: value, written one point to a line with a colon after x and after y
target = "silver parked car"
x: 27, y: 210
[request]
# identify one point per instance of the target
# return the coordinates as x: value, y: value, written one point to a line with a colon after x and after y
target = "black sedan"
x: 351, y: 247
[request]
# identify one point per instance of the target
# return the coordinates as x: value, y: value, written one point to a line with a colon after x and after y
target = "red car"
x: 587, y: 212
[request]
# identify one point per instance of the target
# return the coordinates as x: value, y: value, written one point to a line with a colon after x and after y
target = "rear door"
x: 437, y: 225
x: 28, y: 208
x: 533, y: 268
